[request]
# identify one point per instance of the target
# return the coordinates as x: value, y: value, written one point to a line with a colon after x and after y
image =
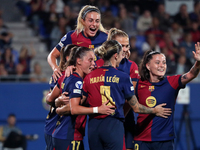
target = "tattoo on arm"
x: 137, y: 106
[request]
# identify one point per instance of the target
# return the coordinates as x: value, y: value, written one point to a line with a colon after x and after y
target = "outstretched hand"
x: 161, y: 111
x: 106, y: 110
x: 197, y: 53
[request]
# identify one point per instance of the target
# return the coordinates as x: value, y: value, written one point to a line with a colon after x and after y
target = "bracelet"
x: 95, y: 110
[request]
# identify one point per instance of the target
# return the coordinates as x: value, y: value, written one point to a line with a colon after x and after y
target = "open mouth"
x: 92, y: 29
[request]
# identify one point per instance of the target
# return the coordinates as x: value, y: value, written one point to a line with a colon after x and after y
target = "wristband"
x: 95, y: 110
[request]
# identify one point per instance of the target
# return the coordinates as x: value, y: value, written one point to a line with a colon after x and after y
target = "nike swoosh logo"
x: 79, y: 43
x: 142, y: 86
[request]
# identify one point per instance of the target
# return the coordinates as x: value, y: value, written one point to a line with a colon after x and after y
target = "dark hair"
x: 108, y: 49
x: 11, y: 115
x: 77, y: 52
x: 65, y: 51
x: 143, y: 71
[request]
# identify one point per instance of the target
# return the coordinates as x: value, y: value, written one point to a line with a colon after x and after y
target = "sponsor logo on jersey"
x: 91, y: 46
x: 132, y: 88
x: 60, y: 44
x: 64, y: 38
x: 142, y: 86
x: 77, y: 91
x: 136, y: 71
x: 151, y: 88
x: 79, y: 85
x: 151, y: 101
x: 78, y: 43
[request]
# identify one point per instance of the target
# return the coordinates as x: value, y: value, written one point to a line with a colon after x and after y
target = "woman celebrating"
x: 153, y: 89
x: 89, y: 33
x: 108, y: 83
x: 52, y: 117
x: 69, y: 131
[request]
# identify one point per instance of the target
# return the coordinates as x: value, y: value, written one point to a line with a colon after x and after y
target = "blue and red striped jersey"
x: 126, y: 66
x: 150, y: 127
x: 81, y: 40
x: 52, y: 117
x: 108, y: 82
x: 71, y: 127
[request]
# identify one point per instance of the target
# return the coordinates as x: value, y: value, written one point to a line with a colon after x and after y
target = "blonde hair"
x: 114, y: 32
x: 108, y: 49
x: 82, y: 14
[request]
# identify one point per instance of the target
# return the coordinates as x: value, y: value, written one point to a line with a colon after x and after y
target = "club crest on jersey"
x: 151, y: 88
x: 91, y: 46
x: 151, y: 101
x: 79, y: 84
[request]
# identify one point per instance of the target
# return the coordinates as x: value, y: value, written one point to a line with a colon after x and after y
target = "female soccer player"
x: 89, y: 33
x: 68, y: 133
x: 131, y: 69
x: 153, y: 89
x: 106, y: 131
x: 52, y: 117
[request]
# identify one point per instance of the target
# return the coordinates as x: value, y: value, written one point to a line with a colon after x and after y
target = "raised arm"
x: 159, y: 110
x: 194, y: 71
x: 53, y: 55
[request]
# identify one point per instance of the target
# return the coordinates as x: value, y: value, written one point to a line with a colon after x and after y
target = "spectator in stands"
x: 176, y: 33
x: 150, y: 44
x: 19, y: 76
x: 181, y: 66
x: 3, y: 71
x: 195, y: 15
x: 49, y: 20
x: 188, y: 44
x: 11, y: 135
x: 37, y: 10
x: 37, y: 75
x: 195, y: 31
x: 8, y: 60
x: 108, y: 19
x: 182, y: 17
x: 144, y: 21
x: 168, y: 43
x: 163, y: 17
x: 25, y: 57
x: 127, y: 23
x: 5, y: 35
x: 155, y: 29
x: 59, y: 31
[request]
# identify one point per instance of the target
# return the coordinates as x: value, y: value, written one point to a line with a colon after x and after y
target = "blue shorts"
x: 129, y: 127
x: 62, y: 144
x: 105, y: 134
x: 49, y: 142
x: 161, y: 145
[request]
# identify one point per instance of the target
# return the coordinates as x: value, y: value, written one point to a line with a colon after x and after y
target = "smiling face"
x: 87, y: 62
x: 91, y: 24
x: 157, y: 67
x: 124, y: 41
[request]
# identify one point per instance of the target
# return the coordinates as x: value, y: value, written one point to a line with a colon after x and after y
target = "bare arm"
x: 52, y: 62
x: 194, y: 71
x: 50, y: 98
x: 159, y: 110
x: 77, y: 109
